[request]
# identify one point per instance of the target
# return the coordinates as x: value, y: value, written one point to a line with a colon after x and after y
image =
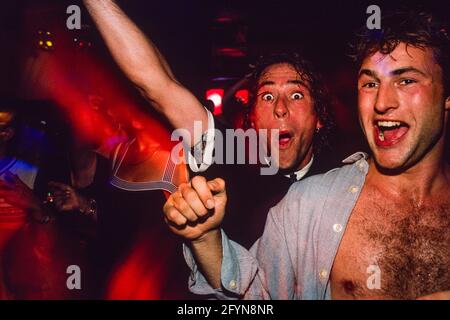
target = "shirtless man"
x: 376, y: 228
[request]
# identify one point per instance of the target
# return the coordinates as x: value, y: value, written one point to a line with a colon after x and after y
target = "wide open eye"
x: 268, y: 97
x: 297, y: 96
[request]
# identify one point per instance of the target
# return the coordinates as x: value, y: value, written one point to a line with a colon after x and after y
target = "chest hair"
x: 412, y: 244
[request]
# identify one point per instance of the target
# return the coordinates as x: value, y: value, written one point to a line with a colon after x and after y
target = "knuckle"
x: 190, y: 195
x: 172, y: 214
x: 202, y: 212
x: 191, y: 217
x: 221, y: 182
x: 182, y: 206
x: 181, y: 220
x: 171, y: 198
x: 205, y: 194
x: 176, y: 196
x: 181, y: 187
x: 167, y: 205
x: 198, y: 180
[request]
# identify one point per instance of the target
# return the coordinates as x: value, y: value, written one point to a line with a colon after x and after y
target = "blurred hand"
x: 17, y: 193
x: 66, y: 198
x: 196, y: 208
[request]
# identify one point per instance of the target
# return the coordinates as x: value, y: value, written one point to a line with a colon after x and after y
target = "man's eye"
x: 297, y: 96
x: 369, y: 85
x: 407, y: 81
x: 268, y: 97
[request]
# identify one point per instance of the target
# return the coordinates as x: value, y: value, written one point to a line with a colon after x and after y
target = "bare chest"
x: 393, y: 250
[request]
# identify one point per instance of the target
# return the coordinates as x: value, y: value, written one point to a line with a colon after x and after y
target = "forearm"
x: 133, y: 52
x: 143, y: 64
x: 240, y: 274
x: 208, y: 255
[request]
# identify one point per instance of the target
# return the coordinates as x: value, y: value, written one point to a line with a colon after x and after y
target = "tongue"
x: 394, y: 134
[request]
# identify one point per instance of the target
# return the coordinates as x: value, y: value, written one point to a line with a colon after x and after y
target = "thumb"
x: 217, y: 185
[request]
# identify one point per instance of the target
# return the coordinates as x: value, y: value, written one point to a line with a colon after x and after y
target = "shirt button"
x: 353, y: 189
x: 233, y: 284
x: 323, y: 274
x: 361, y: 166
x: 337, y: 227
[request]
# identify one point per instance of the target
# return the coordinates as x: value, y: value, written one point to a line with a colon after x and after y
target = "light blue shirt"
x: 294, y: 256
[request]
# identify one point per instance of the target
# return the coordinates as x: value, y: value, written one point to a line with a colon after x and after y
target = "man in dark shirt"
x: 288, y: 95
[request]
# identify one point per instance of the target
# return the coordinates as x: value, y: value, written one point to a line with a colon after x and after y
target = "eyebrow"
x: 396, y: 72
x: 367, y: 72
x: 400, y: 71
x: 269, y: 82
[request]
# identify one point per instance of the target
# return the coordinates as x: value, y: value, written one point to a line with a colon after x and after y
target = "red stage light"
x: 216, y: 96
x: 242, y: 95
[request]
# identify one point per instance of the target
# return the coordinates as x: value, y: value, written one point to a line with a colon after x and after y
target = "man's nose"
x: 386, y: 99
x: 281, y: 110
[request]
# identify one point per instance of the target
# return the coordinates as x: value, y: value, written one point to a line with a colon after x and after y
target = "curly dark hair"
x: 316, y: 86
x: 417, y: 28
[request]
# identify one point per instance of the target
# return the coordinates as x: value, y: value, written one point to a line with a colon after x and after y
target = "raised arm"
x: 144, y: 65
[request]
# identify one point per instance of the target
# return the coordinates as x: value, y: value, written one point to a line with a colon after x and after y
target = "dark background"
x: 183, y: 29
x: 189, y: 33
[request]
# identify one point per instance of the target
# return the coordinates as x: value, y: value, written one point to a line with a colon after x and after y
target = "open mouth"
x: 285, y: 138
x: 389, y: 132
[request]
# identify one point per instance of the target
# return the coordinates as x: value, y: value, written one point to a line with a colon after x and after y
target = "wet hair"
x: 416, y: 28
x: 314, y: 82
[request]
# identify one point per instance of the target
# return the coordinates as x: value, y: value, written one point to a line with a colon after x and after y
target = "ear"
x: 447, y: 103
x: 319, y: 124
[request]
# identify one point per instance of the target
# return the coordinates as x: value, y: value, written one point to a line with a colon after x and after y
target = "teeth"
x: 381, y: 136
x: 389, y: 124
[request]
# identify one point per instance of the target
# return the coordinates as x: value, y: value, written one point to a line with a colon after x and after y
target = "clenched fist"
x: 196, y: 208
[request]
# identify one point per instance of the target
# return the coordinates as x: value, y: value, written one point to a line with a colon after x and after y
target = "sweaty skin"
x: 401, y: 220
x: 285, y: 103
x: 398, y: 230
x: 291, y: 109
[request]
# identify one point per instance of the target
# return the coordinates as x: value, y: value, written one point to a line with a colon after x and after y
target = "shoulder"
x: 318, y: 187
x: 354, y: 166
x: 308, y: 196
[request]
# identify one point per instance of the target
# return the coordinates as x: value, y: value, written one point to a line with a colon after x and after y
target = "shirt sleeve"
x: 201, y: 155
x: 244, y: 273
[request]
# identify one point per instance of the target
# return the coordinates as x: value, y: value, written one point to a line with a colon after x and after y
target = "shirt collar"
x: 303, y: 171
